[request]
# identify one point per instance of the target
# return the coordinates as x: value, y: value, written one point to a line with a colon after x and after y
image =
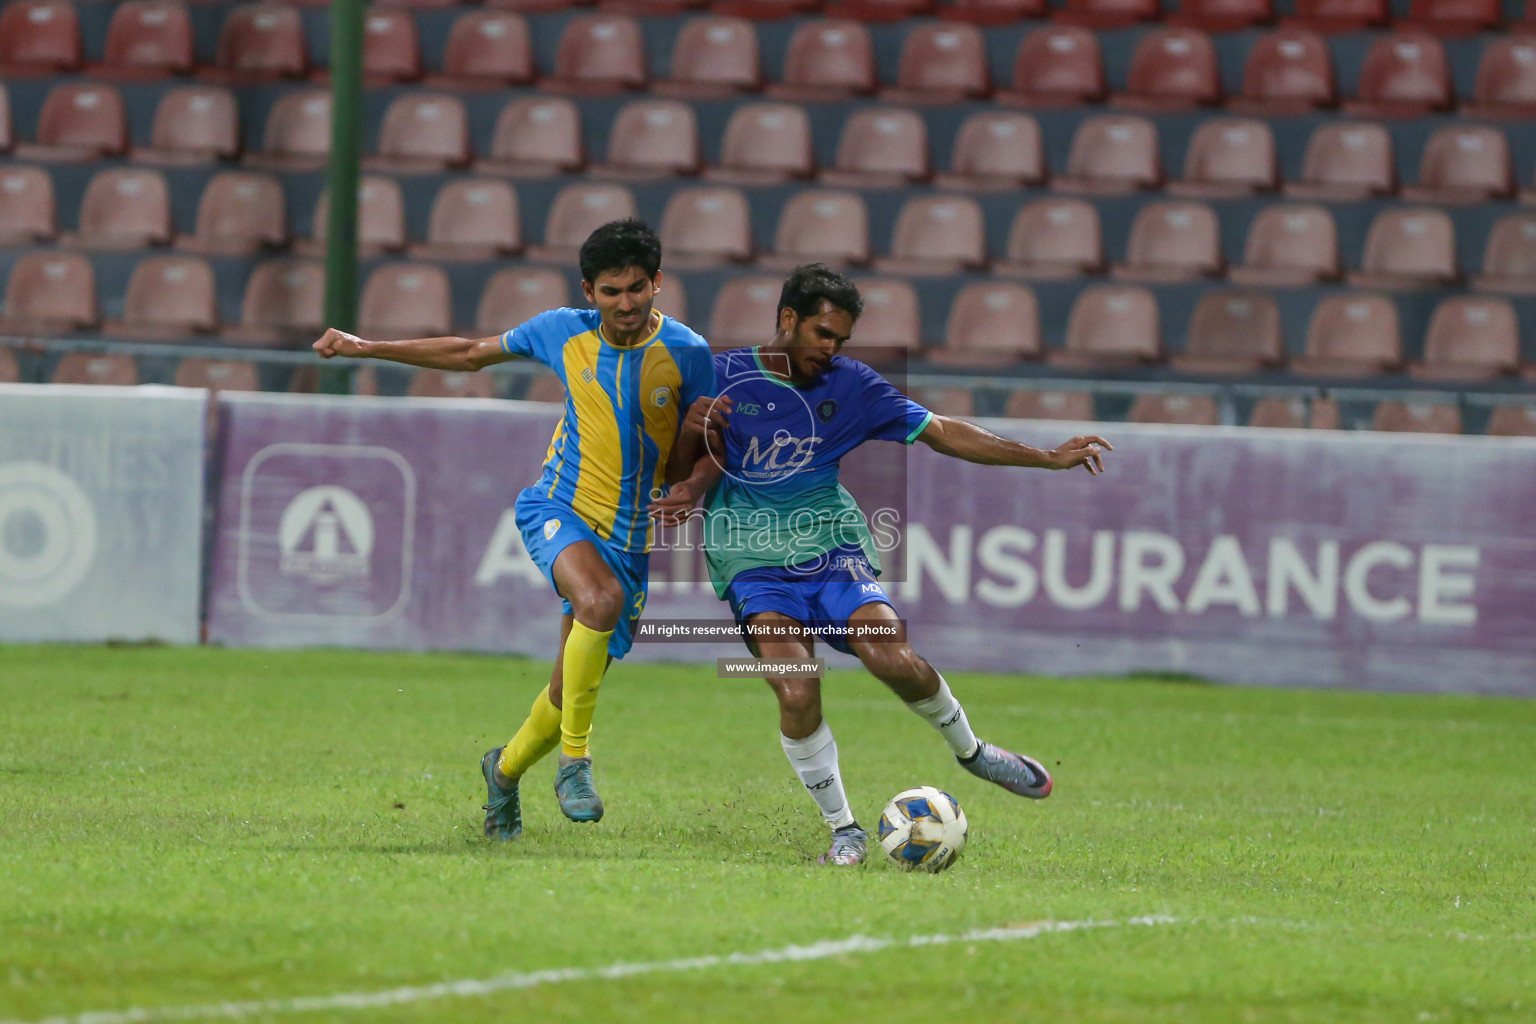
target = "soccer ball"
x: 922, y: 829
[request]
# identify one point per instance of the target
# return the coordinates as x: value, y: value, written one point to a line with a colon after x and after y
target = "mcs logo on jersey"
x: 779, y: 457
x: 326, y: 535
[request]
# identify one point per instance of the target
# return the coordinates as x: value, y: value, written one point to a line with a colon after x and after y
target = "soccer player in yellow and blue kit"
x: 638, y: 398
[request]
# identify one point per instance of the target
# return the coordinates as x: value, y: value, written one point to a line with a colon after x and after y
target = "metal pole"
x: 342, y: 179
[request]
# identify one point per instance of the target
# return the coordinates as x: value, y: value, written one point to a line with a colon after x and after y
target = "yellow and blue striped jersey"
x: 622, y: 409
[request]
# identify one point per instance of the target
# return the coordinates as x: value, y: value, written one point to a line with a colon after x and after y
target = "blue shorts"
x: 549, y: 527
x: 821, y: 592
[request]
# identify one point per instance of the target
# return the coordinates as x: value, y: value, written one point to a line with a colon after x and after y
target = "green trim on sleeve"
x: 920, y: 428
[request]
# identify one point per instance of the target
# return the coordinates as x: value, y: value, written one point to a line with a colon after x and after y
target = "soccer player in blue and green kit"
x: 639, y: 389
x: 790, y: 550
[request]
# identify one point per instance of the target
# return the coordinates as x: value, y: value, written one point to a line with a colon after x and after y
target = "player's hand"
x: 708, y: 413
x: 339, y: 343
x: 1085, y: 451
x: 672, y: 508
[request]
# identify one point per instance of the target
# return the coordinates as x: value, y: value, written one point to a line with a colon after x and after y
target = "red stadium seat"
x: 1417, y: 417
x: 298, y: 132
x: 261, y: 41
x: 1408, y: 248
x: 472, y: 219
x: 945, y: 401
x: 746, y: 311
x: 406, y: 300
x: 546, y: 387
x: 943, y: 63
x: 1509, y: 258
x: 1352, y: 335
x: 765, y: 143
x: 10, y: 369
x: 714, y: 57
x: 1455, y: 16
x: 821, y: 225
x: 891, y: 320
x: 1232, y: 332
x: 516, y: 295
x: 1059, y: 65
x: 240, y: 212
x: 438, y: 384
x: 1293, y: 414
x: 991, y: 325
x: 486, y: 50
x: 1111, y: 326
x: 992, y: 12
x: 1113, y: 154
x: 884, y: 10
x: 827, y: 60
x: 1172, y: 69
x: 284, y: 305
x: 391, y: 50
x: 1222, y: 15
x: 125, y: 208
x: 380, y: 219
x: 1404, y: 75
x: 1464, y: 164
x: 218, y: 375
x: 1289, y: 71
x: 706, y: 226
x: 530, y: 6
x: 1470, y: 337
x: 996, y: 152
x: 1340, y: 15
x: 1185, y: 410
x: 169, y: 298
x: 1050, y: 405
x: 652, y: 139
x: 38, y: 37
x: 763, y: 10
x: 147, y: 39
x: 576, y: 212
x: 599, y: 53
x: 1229, y: 157
x: 28, y: 214
x: 1109, y: 13
x: 111, y: 368
x: 422, y: 133
x: 880, y: 147
x: 1506, y: 79
x: 672, y: 299
x: 1346, y: 160
x: 7, y: 134
x: 1289, y: 245
x: 1172, y: 242
x: 1054, y: 238
x: 1512, y: 421
x: 937, y: 235
x: 79, y: 122
x: 194, y: 124
x: 50, y: 293
x: 536, y: 138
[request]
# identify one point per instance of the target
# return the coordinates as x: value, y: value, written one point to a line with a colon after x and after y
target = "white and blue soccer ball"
x: 922, y: 829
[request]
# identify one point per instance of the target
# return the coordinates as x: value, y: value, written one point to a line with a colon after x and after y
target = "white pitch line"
x: 556, y: 976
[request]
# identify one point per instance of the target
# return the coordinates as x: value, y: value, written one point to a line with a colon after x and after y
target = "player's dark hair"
x: 619, y: 245
x: 808, y: 285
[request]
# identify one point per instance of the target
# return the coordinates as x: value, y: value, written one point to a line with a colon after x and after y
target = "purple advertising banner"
x: 1401, y: 562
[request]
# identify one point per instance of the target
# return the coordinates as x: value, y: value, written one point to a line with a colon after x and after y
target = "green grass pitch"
x: 188, y: 827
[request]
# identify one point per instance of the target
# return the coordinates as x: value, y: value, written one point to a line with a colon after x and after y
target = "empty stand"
x: 945, y: 401
x: 822, y: 225
x: 765, y: 143
x: 576, y: 212
x: 472, y: 219
x: 193, y: 125
x: 1054, y: 238
x: 891, y: 320
x: 1506, y: 79
x: 1172, y: 69
x: 1232, y: 332
x: 1454, y: 17
x: 79, y: 122
x: 1050, y: 405
x: 1417, y: 417
x: 714, y: 57
x: 1404, y: 75
x: 545, y: 388
x: 1289, y: 245
x: 439, y: 384
x: 1464, y: 164
x: 261, y: 42
x: 486, y: 50
x: 995, y: 152
x: 599, y: 53
x: 746, y: 311
x: 881, y: 146
x: 1470, y: 338
x: 38, y: 37
x: 706, y: 226
x: 1352, y: 335
x: 1509, y: 258
x: 239, y: 212
x: 406, y: 300
x: 218, y: 375
x: 7, y: 132
x: 1172, y: 241
x: 1110, y: 13
x: 422, y: 132
x: 943, y: 63
x: 1222, y: 15
x: 516, y: 295
x: 1113, y: 154
x: 284, y: 304
x: 10, y: 369
x: 653, y: 138
x: 125, y: 208
x: 168, y: 299
x: 50, y: 293
x: 1346, y: 160
x: 147, y: 39
x: 27, y: 209
x: 1059, y: 65
x: 297, y: 135
x: 1295, y: 413
x: 536, y: 138
x: 1408, y: 248
x: 113, y: 368
x: 1341, y: 15
x: 391, y: 48
x: 991, y: 325
x: 827, y: 60
x: 937, y: 235
x: 1111, y: 326
x: 1187, y: 410
x: 1512, y: 421
x: 380, y: 219
x: 1288, y: 71
x: 1229, y: 157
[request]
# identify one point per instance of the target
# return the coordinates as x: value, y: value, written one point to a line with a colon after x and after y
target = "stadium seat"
x: 1408, y: 248
x: 995, y: 152
x: 1288, y: 71
x: 991, y: 12
x: 38, y: 38
x: 576, y: 212
x: 194, y: 124
x: 406, y: 300
x: 1288, y: 246
x: 546, y: 387
x: 652, y: 139
x: 284, y: 305
x: 1054, y: 238
x: 1509, y: 258
x: 28, y: 214
x: 1229, y: 157
x: 1232, y: 332
x: 10, y: 369
x: 535, y: 138
x: 765, y: 143
x: 79, y: 122
x: 1417, y: 417
x: 1111, y: 326
x: 518, y: 294
x: 880, y: 147
x: 125, y: 208
x: 1295, y: 414
x: 1352, y: 335
x: 1506, y: 79
x: 599, y: 53
x: 884, y: 10
x: 672, y: 298
x: 1464, y: 164
x: 1222, y: 15
x: 113, y: 368
x: 529, y: 6
x: 1404, y: 75
x: 391, y: 49
x: 1172, y: 69
x: 1455, y: 17
x: 1344, y: 161
x: 1470, y: 337
x: 147, y: 39
x: 827, y: 60
x: 943, y: 63
x: 168, y: 298
x: 240, y: 212
x: 380, y: 219
x: 1102, y: 14
x: 937, y: 235
x: 704, y: 227
x: 1112, y: 153
x: 713, y: 57
x: 486, y: 50
x: 1056, y: 66
x: 1170, y: 242
x: 472, y: 219
x: 745, y: 312
x: 260, y: 42
x: 945, y: 401
x: 7, y: 133
x: 820, y: 225
x: 218, y: 375
x: 1186, y: 410
x: 1512, y: 421
x: 50, y: 293
x: 890, y: 321
x: 297, y: 135
x: 1029, y: 404
x: 422, y: 133
x: 1340, y: 15
x: 438, y: 384
x: 991, y: 325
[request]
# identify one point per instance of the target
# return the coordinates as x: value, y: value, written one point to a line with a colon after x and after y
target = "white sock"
x: 815, y: 761
x: 945, y: 714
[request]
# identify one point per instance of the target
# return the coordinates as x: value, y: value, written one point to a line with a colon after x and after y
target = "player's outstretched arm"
x: 962, y: 440
x: 462, y: 354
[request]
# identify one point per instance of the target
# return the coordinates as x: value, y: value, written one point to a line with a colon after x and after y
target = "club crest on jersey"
x: 826, y: 410
x: 661, y: 396
x: 551, y: 527
x: 587, y: 375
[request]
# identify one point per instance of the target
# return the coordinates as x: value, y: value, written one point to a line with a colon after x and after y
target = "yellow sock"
x: 537, y: 737
x: 586, y: 658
